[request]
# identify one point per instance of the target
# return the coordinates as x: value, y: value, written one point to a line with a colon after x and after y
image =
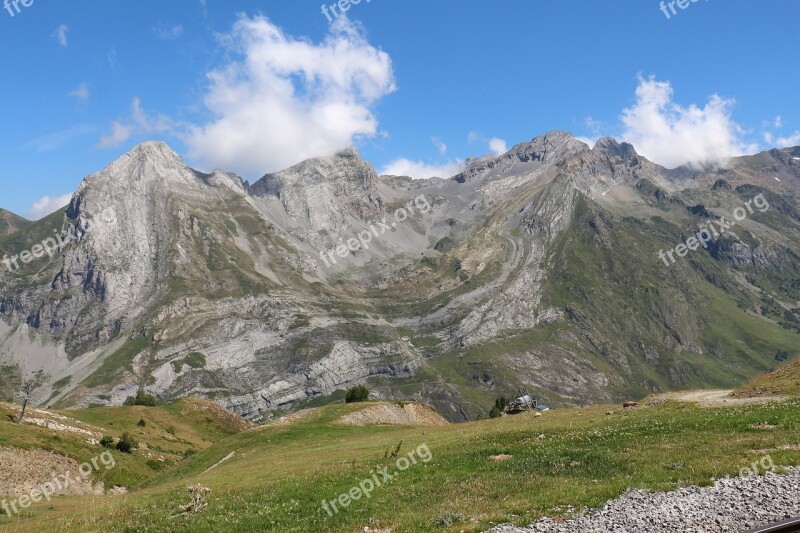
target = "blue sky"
x: 417, y: 86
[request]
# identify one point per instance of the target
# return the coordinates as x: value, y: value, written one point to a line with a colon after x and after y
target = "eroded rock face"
x: 186, y: 283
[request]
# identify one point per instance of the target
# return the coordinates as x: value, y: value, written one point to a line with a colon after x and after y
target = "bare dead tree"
x: 26, y: 395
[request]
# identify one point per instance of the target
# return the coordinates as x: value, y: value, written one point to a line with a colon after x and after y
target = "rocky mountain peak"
x: 156, y: 150
x: 342, y: 183
x: 610, y: 147
x: 545, y: 149
x: 152, y: 161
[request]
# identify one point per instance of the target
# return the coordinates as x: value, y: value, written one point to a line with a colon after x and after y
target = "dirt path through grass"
x: 714, y: 398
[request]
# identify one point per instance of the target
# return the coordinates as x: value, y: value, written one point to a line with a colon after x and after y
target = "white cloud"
x: 421, y: 170
x: 82, y: 92
x: 119, y: 134
x: 47, y: 205
x: 786, y: 142
x: 672, y: 135
x: 51, y: 141
x: 112, y: 57
x: 61, y: 35
x: 168, y: 32
x: 498, y: 146
x: 138, y: 123
x: 440, y: 146
x: 286, y: 99
x: 778, y: 122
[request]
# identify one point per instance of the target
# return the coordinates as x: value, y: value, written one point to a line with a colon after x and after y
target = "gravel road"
x: 732, y: 504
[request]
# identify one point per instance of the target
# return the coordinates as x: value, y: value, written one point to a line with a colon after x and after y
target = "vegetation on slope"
x: 169, y: 432
x: 783, y: 381
x: 276, y: 477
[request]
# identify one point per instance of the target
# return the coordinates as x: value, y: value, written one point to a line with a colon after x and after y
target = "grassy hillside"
x: 9, y: 222
x: 783, y: 381
x: 275, y: 478
x: 168, y: 433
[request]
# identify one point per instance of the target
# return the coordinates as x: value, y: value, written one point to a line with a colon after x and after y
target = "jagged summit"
x: 156, y: 149
x: 544, y: 149
x: 323, y: 186
x: 344, y: 168
x: 609, y: 146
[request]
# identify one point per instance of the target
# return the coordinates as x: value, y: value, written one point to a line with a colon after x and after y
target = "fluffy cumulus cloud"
x: 422, y: 170
x: 672, y: 135
x: 498, y: 146
x: 281, y: 99
x: 46, y: 205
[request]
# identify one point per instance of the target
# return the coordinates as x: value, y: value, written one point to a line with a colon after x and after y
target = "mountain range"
x: 540, y: 268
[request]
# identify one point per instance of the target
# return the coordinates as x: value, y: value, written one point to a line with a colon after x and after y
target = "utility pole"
x: 26, y: 395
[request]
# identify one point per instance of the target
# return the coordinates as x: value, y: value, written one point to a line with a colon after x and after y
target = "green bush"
x: 156, y: 465
x: 142, y: 398
x: 141, y: 423
x: 188, y: 453
x: 499, y: 405
x: 107, y: 441
x: 126, y: 443
x: 359, y: 393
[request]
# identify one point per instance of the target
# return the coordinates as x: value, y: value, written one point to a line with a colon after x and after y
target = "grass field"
x: 276, y: 477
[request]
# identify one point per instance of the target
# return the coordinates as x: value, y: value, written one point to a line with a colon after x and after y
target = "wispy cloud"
x: 783, y: 141
x: 47, y: 205
x: 51, y: 141
x: 112, y: 57
x: 440, y: 146
x: 168, y: 32
x: 138, y: 123
x: 61, y: 35
x: 82, y: 92
x: 421, y: 170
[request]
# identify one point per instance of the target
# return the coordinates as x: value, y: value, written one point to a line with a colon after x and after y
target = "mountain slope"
x: 9, y: 222
x: 538, y: 268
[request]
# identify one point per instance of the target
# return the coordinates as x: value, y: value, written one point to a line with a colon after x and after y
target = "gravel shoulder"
x: 407, y: 414
x: 714, y: 398
x: 731, y: 504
